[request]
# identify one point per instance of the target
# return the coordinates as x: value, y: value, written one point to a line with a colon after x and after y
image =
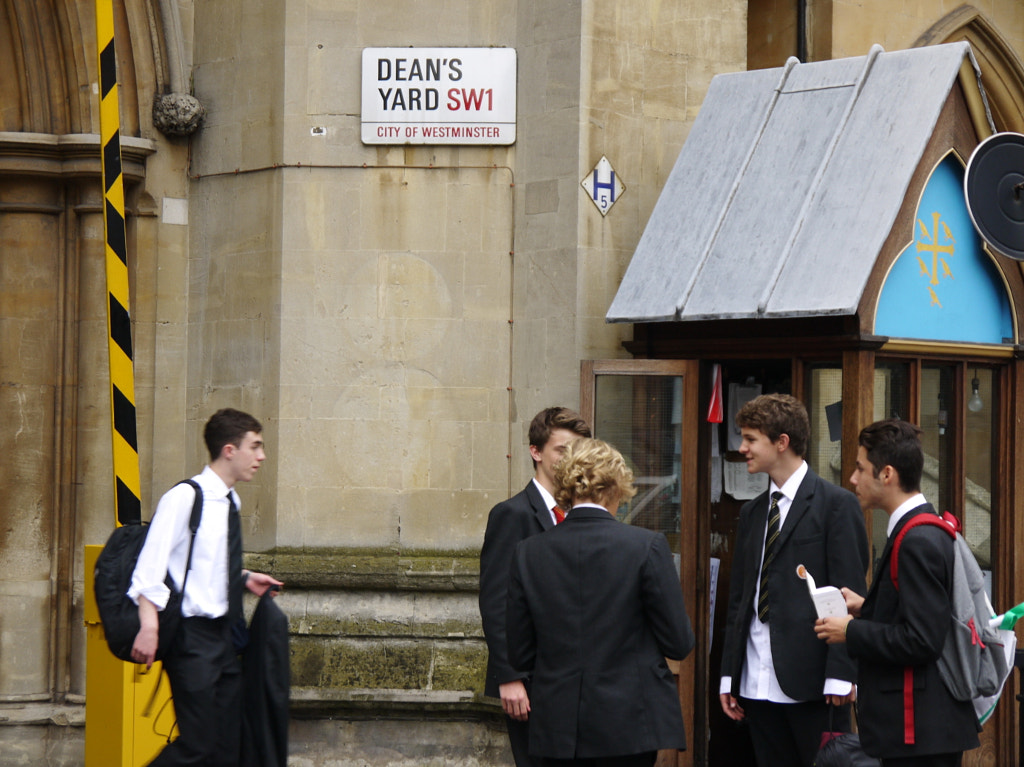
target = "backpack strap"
x: 947, y: 522
x: 193, y: 525
x: 951, y: 525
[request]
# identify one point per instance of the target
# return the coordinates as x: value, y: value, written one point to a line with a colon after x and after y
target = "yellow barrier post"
x: 117, y: 733
x: 119, y: 328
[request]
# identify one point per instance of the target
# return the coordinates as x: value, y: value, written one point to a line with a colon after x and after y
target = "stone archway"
x: 54, y: 480
x: 1002, y: 73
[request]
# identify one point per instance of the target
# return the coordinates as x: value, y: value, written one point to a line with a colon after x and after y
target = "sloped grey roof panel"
x: 854, y: 207
x: 765, y: 208
x: 787, y: 188
x: 698, y: 187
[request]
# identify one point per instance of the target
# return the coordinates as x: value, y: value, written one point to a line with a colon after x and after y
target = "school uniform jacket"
x: 510, y: 522
x: 908, y: 628
x: 594, y: 608
x: 266, y: 678
x: 824, y: 531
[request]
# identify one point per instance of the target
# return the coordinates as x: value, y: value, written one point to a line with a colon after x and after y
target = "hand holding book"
x: 828, y: 600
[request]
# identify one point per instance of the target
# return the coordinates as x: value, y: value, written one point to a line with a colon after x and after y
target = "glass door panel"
x: 641, y: 416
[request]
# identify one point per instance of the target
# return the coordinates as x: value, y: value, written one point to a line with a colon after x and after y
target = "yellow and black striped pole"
x: 127, y: 490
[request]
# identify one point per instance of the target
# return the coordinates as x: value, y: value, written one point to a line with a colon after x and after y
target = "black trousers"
x: 206, y: 687
x: 789, y: 734
x: 519, y: 740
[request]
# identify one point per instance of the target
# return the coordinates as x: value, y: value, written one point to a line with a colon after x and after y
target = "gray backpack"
x: 973, y: 662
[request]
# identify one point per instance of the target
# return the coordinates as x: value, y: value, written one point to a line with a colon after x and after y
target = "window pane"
x: 939, y: 425
x: 892, y: 393
x: 892, y: 400
x: 641, y: 417
x: 979, y: 431
x: 825, y: 407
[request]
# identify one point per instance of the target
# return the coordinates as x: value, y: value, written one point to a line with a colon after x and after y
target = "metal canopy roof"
x: 787, y: 187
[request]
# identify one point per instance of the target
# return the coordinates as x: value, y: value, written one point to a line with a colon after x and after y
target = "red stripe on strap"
x: 908, y: 706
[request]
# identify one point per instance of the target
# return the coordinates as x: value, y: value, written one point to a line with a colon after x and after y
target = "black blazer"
x: 824, y: 531
x: 909, y: 627
x: 266, y: 681
x: 511, y: 521
x: 594, y: 607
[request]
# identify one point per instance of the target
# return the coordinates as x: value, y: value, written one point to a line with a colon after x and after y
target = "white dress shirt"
x: 166, y: 549
x: 758, y: 680
x: 548, y: 499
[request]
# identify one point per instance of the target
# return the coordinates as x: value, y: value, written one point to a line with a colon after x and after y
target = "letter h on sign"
x: 603, y: 186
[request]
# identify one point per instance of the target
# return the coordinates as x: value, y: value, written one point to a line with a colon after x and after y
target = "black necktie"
x: 235, y: 580
x: 771, y: 537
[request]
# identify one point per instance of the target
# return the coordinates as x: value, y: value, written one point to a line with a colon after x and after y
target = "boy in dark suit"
x: 533, y: 510
x: 594, y: 608
x: 889, y: 630
x: 775, y: 674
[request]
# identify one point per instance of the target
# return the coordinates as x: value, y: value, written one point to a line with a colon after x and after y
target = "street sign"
x: 603, y: 185
x: 439, y: 96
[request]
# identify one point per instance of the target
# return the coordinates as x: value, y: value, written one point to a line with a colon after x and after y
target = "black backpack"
x: 113, y: 577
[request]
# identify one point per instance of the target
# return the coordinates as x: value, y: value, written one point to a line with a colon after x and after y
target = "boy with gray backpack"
x: 897, y: 632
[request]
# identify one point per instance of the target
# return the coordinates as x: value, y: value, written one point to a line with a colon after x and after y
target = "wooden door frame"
x: 693, y: 548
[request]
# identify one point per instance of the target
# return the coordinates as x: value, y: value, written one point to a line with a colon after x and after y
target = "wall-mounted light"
x: 975, y: 403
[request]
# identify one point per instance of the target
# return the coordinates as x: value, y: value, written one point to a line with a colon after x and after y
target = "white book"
x: 828, y: 600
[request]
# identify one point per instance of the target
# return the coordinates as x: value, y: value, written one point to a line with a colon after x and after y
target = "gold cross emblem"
x: 939, y: 242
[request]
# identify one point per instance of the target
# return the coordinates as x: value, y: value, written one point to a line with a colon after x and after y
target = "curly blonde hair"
x: 592, y: 470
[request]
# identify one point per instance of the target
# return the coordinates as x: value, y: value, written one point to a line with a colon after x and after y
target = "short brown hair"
x: 591, y: 470
x: 776, y: 414
x: 895, y: 443
x: 551, y: 418
x: 228, y: 426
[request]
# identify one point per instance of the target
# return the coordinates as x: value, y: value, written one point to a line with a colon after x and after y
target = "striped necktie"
x: 771, y: 538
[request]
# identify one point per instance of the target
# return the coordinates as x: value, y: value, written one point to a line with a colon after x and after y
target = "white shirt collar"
x: 588, y: 505
x: 901, y: 511
x: 791, y: 485
x: 549, y: 499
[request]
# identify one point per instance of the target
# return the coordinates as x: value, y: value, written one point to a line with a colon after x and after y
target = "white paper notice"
x: 741, y: 485
x: 739, y: 395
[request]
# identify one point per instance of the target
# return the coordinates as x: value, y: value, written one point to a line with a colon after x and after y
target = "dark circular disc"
x: 994, y: 189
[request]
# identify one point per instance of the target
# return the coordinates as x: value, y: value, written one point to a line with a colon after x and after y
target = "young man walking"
x: 202, y: 664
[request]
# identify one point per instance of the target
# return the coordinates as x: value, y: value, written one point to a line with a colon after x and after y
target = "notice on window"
x: 439, y: 96
x: 739, y: 395
x: 741, y: 484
